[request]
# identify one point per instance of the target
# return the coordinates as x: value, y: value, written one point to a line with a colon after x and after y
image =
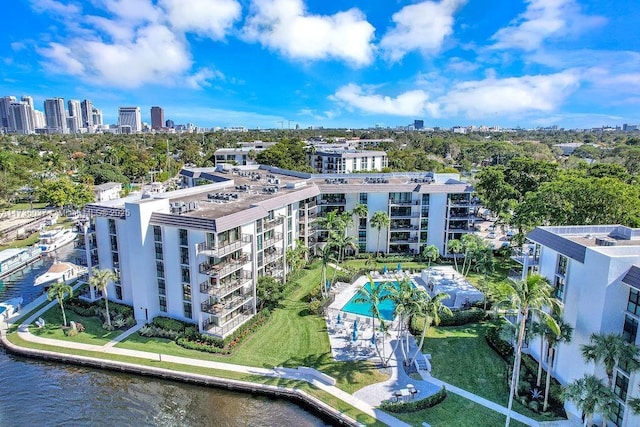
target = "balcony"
x: 272, y: 256
x: 227, y: 305
x: 225, y: 288
x: 403, y: 239
x: 224, y: 248
x: 333, y: 201
x: 227, y: 327
x: 272, y: 223
x: 79, y: 243
x: 309, y: 217
x: 398, y: 215
x: 470, y: 201
x: 223, y: 268
x: 525, y: 255
x: 404, y: 202
x: 272, y: 241
x: 276, y: 271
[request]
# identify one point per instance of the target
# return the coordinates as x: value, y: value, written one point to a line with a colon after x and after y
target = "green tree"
x: 553, y: 340
x: 380, y: 220
x: 325, y: 258
x: 429, y: 307
x: 269, y: 291
x: 430, y: 253
x: 611, y: 350
x: 590, y: 396
x: 100, y: 280
x: 405, y: 299
x: 58, y: 291
x: 332, y: 222
x: 374, y: 296
x: 341, y: 243
x: 455, y: 247
x: 531, y: 295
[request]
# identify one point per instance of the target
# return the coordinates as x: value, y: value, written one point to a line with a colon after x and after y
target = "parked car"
x: 491, y: 235
x: 511, y: 233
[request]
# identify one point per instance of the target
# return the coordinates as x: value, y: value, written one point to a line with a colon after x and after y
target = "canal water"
x: 36, y: 393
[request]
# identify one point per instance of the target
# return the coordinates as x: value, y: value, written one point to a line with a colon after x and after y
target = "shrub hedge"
x: 168, y: 323
x: 500, y: 346
x: 415, y: 405
x: 457, y: 318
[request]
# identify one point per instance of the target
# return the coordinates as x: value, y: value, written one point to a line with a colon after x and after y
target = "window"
x: 259, y: 242
x: 163, y: 303
x: 112, y: 226
x: 618, y: 414
x: 289, y: 209
x: 188, y: 311
x: 363, y: 224
x: 186, y: 292
x: 184, y: 240
x: 160, y: 269
x: 260, y: 259
x: 562, y: 265
x: 186, y: 276
x: 425, y: 199
x: 633, y: 306
x: 362, y: 234
x: 157, y: 233
x: 558, y: 286
x: 621, y: 386
x: 184, y: 255
x: 115, y: 259
x: 114, y: 243
x: 118, y: 292
x: 158, y: 251
x: 259, y: 226
x: 363, y: 198
x: 162, y: 287
x: 630, y: 329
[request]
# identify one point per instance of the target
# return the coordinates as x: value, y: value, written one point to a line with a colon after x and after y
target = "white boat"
x: 60, y: 272
x: 14, y: 259
x: 10, y: 307
x: 56, y: 238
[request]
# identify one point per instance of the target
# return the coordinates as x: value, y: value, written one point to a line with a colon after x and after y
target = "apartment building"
x: 595, y: 272
x: 343, y: 160
x: 196, y: 253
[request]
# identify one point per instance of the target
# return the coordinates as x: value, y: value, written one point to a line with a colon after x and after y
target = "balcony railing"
x: 224, y: 248
x: 224, y: 268
x: 272, y: 223
x: 273, y: 256
x: 227, y: 327
x: 403, y: 240
x: 80, y: 244
x: 224, y: 289
x: 405, y: 215
x: 521, y: 256
x: 404, y: 202
x: 333, y: 201
x: 272, y: 241
x: 225, y: 306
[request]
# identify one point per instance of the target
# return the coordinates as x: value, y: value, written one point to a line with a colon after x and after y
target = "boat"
x: 10, y: 307
x: 56, y: 238
x: 60, y: 272
x: 14, y: 259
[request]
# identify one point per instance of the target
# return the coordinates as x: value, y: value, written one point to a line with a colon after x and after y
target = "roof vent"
x: 605, y: 241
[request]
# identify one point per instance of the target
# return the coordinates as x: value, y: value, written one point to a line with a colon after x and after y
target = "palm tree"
x: 331, y: 222
x: 326, y: 258
x: 100, y: 279
x: 342, y: 242
x: 591, y: 396
x: 360, y: 210
x: 380, y: 220
x: 431, y: 308
x: 553, y: 339
x: 455, y: 247
x: 405, y: 298
x: 528, y: 296
x: 430, y: 253
x: 58, y: 291
x: 611, y: 350
x: 374, y: 296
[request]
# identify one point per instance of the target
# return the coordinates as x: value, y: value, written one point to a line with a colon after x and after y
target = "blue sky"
x: 274, y: 63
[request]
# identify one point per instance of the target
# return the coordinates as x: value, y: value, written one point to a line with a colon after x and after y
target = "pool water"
x: 386, y: 307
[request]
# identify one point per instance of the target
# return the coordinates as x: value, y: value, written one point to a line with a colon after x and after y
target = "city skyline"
x: 222, y: 63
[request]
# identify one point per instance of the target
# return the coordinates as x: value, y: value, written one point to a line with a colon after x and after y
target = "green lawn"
x: 27, y: 205
x: 93, y: 334
x: 291, y: 337
x: 21, y: 243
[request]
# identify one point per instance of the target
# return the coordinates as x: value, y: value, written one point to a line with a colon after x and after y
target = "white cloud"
x: 134, y: 10
x: 284, y: 25
x: 421, y: 26
x: 201, y: 78
x: 53, y: 6
x: 212, y: 18
x: 459, y: 65
x: 410, y: 103
x: 61, y: 59
x: 509, y: 96
x: 541, y: 20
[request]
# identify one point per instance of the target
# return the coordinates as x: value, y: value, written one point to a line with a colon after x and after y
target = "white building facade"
x: 595, y: 272
x: 195, y: 254
x: 325, y: 161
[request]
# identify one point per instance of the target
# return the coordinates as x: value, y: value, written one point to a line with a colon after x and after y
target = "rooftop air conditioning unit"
x: 605, y: 241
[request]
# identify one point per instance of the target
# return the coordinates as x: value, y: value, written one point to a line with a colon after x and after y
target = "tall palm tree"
x: 331, y: 222
x: 430, y: 253
x: 405, y: 299
x: 591, y: 396
x: 342, y: 242
x: 58, y: 291
x: 374, y: 296
x: 100, y: 279
x: 553, y: 340
x: 380, y: 220
x: 527, y: 296
x: 611, y: 350
x: 455, y: 247
x: 326, y: 258
x: 360, y: 211
x: 431, y: 308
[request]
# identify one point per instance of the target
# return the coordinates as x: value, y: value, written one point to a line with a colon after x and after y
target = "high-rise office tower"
x: 5, y: 103
x: 129, y: 120
x: 157, y: 117
x: 86, y: 107
x: 55, y: 115
x: 75, y: 113
x: 21, y: 118
x: 96, y: 116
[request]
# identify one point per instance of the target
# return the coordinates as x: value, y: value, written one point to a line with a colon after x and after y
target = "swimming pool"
x: 386, y: 307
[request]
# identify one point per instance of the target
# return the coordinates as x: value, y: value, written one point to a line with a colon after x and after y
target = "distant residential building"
x: 72, y: 125
x: 568, y: 147
x: 21, y: 118
x: 39, y: 121
x: 459, y: 129
x: 170, y: 124
x: 107, y: 191
x: 86, y: 108
x: 75, y: 114
x: 157, y: 118
x: 5, y: 103
x: 129, y: 119
x: 96, y: 116
x: 327, y: 160
x: 629, y: 128
x: 236, y: 156
x: 55, y: 115
x: 418, y: 124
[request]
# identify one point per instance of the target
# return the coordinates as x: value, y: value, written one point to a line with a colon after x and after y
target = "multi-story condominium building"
x: 346, y: 160
x: 129, y: 120
x: 5, y: 104
x: 86, y: 110
x: 21, y: 118
x: 75, y: 114
x: 595, y: 271
x: 55, y: 115
x: 96, y: 115
x: 196, y: 253
x: 157, y: 118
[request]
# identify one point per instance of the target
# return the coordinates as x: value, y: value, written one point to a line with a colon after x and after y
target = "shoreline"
x: 317, y: 406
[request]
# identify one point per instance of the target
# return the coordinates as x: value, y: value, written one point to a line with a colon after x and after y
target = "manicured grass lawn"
x: 27, y: 205
x: 21, y: 243
x: 93, y: 334
x: 292, y: 337
x: 456, y: 411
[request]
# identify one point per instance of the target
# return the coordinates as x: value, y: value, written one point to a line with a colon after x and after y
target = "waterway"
x: 36, y: 393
